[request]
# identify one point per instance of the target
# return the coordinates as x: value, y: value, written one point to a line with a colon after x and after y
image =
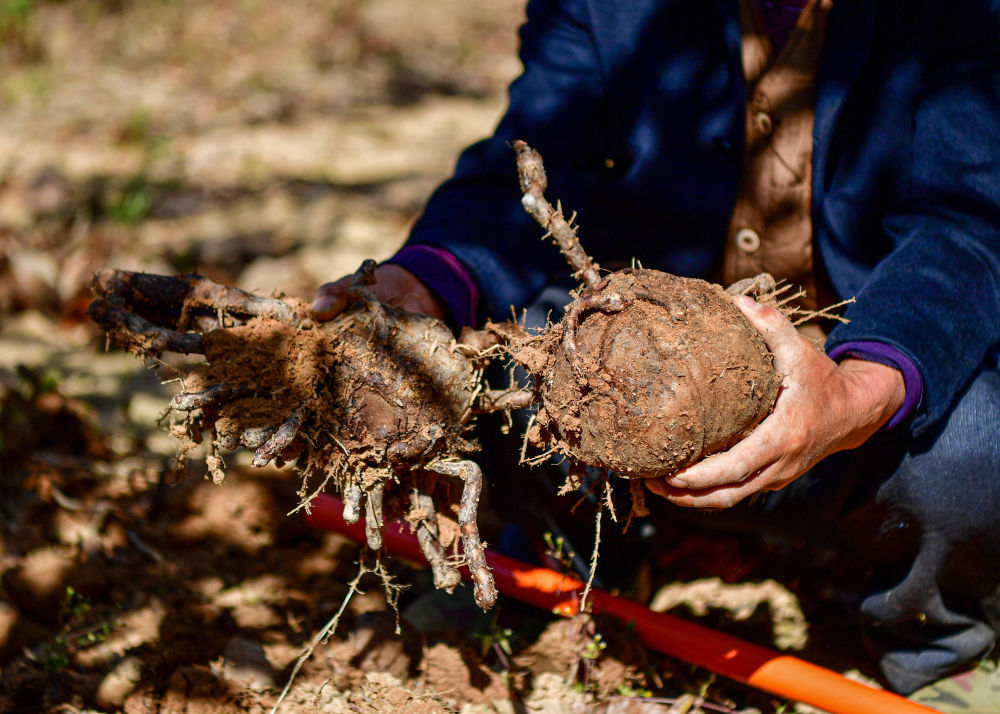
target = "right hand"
x: 394, y: 285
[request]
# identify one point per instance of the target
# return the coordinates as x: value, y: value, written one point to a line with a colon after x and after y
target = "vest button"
x: 762, y: 120
x: 747, y: 240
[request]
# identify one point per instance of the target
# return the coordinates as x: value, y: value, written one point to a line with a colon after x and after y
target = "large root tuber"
x: 647, y: 372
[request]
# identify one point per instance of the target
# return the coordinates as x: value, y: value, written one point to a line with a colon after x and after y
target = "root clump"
x: 375, y: 404
x: 363, y: 403
x: 646, y: 374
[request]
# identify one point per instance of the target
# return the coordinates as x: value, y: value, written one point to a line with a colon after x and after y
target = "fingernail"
x: 748, y: 302
x: 677, y: 482
x: 322, y: 304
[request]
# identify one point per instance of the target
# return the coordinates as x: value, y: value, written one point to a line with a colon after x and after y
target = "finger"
x: 724, y: 496
x: 330, y: 300
x: 745, y: 458
x: 777, y: 330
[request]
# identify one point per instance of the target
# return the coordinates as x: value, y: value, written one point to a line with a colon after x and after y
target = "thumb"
x: 777, y: 330
x: 330, y: 299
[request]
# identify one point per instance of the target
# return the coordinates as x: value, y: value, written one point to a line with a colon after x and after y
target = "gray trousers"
x: 923, y: 512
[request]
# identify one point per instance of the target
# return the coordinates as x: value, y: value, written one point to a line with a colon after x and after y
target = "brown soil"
x: 661, y: 371
x: 128, y: 589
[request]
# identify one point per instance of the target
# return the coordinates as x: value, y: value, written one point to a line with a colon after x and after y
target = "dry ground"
x: 272, y: 145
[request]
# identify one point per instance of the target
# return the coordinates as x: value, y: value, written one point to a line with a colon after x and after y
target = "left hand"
x: 822, y: 408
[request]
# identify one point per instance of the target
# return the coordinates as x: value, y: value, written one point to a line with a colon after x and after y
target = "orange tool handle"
x: 748, y: 663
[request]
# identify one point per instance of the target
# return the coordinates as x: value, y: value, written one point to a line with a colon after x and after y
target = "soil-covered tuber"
x: 647, y: 372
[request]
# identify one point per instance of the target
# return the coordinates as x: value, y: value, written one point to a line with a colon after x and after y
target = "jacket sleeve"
x: 936, y: 295
x: 555, y: 105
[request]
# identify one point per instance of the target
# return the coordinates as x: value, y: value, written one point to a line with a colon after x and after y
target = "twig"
x: 64, y: 501
x: 323, y: 633
x: 146, y: 550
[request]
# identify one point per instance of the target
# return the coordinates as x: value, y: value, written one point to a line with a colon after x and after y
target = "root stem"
x: 137, y: 331
x: 256, y: 437
x: 373, y: 517
x: 278, y: 441
x: 495, y: 400
x: 482, y: 580
x: 446, y: 576
x: 533, y: 185
x: 352, y: 504
x: 189, y: 401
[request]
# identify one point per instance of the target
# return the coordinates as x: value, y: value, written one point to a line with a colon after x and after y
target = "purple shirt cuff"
x: 891, y: 357
x: 441, y: 271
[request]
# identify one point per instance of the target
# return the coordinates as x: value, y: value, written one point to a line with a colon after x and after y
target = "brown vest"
x: 771, y: 227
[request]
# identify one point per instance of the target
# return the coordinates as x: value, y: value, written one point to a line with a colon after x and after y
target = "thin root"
x: 352, y: 504
x: 373, y: 517
x: 278, y: 441
x: 446, y: 576
x: 594, y: 554
x: 323, y: 633
x: 482, y: 580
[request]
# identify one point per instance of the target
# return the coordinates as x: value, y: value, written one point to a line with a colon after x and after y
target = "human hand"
x: 394, y: 285
x: 822, y: 408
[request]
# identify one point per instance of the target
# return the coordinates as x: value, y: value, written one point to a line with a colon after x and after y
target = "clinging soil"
x: 661, y: 371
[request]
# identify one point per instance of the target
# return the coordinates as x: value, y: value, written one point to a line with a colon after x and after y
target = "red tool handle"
x: 759, y: 667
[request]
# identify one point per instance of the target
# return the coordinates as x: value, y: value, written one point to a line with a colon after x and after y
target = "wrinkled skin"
x: 823, y: 408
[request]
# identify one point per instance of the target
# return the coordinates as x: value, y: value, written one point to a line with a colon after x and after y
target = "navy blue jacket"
x: 638, y: 109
